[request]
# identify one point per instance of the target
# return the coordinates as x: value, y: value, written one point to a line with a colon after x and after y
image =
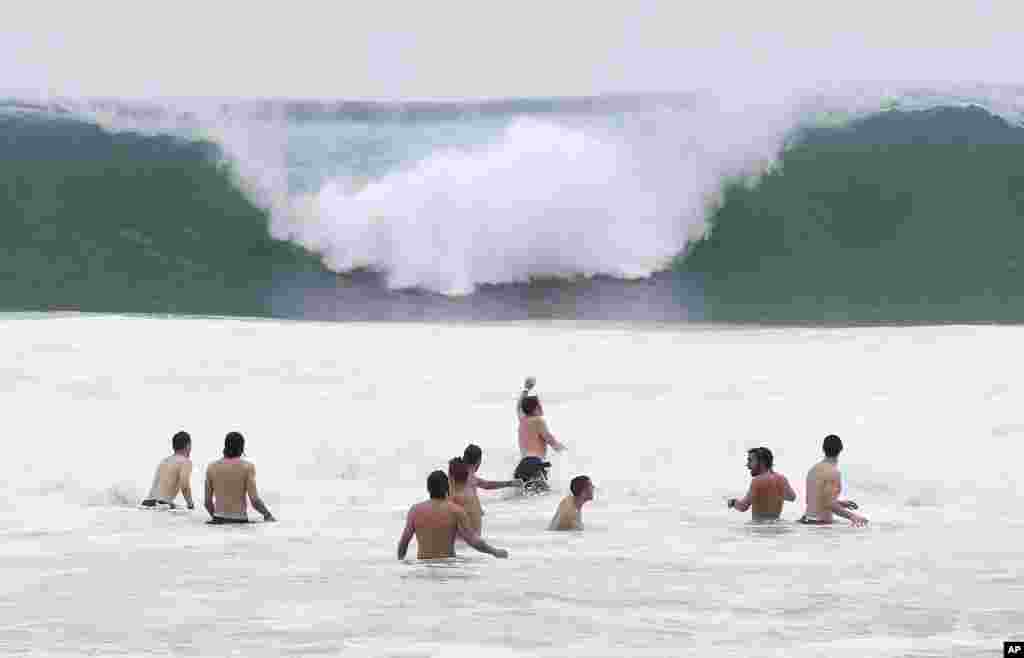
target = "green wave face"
x: 899, y: 217
x: 96, y: 221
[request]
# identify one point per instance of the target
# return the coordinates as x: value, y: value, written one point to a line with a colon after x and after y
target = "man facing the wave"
x: 436, y: 523
x: 229, y: 481
x: 464, y: 486
x: 534, y: 435
x: 173, y: 474
x: 824, y: 483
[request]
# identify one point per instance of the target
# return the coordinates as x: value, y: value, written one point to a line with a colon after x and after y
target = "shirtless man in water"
x: 824, y: 482
x: 472, y: 457
x: 436, y: 522
x: 768, y: 489
x: 173, y: 474
x: 464, y: 482
x: 569, y: 515
x: 534, y: 435
x: 229, y: 481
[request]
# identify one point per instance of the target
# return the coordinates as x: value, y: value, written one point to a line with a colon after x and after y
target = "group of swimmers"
x: 453, y: 509
x: 229, y: 482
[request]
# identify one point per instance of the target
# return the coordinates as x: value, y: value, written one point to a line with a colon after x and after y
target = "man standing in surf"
x: 824, y: 482
x: 768, y: 489
x: 471, y: 457
x: 229, y: 481
x: 173, y: 474
x: 436, y: 523
x: 534, y: 435
x: 569, y: 515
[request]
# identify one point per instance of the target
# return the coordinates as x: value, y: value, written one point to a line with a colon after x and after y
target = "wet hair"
x: 832, y: 445
x: 472, y: 454
x: 437, y: 484
x: 180, y: 441
x: 234, y: 445
x: 578, y: 483
x: 458, y: 470
x: 529, y: 404
x: 764, y: 456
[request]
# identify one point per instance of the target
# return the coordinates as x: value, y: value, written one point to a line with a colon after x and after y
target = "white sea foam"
x: 345, y: 421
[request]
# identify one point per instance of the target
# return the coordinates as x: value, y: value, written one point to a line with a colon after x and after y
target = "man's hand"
x: 857, y: 520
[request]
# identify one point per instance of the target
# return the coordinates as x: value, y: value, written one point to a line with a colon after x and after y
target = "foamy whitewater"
x: 344, y: 421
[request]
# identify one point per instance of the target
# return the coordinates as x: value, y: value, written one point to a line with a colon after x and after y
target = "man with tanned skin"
x: 534, y: 435
x: 824, y: 482
x: 768, y: 489
x: 436, y: 522
x: 229, y: 481
x: 569, y: 515
x: 173, y: 474
x: 472, y: 457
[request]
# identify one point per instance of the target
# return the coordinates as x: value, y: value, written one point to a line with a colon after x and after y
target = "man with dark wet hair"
x: 229, y: 481
x: 569, y: 515
x: 173, y: 474
x: 472, y: 457
x: 824, y: 484
x: 437, y: 521
x: 768, y: 489
x: 534, y: 435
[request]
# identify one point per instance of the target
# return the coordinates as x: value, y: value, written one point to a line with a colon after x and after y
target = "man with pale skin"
x: 569, y: 515
x: 173, y: 474
x: 229, y: 481
x: 472, y: 458
x: 768, y: 489
x: 824, y: 483
x: 436, y: 523
x: 534, y: 435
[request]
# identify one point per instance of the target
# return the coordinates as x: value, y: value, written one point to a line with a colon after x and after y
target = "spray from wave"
x: 708, y: 188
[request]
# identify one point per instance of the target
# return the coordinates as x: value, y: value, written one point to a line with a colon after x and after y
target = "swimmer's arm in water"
x: 208, y: 498
x: 840, y: 510
x: 407, y: 535
x: 787, y: 491
x: 254, y: 496
x: 743, y: 504
x: 848, y: 504
x: 833, y: 486
x: 473, y: 539
x: 185, y: 477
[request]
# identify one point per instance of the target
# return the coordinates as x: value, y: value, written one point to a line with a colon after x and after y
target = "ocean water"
x: 345, y: 420
x: 852, y: 205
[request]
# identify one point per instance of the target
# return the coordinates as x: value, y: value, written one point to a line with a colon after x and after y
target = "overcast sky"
x: 385, y: 49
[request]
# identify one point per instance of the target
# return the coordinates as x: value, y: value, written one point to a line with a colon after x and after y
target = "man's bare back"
x: 229, y: 482
x: 436, y: 522
x: 465, y: 497
x: 173, y: 475
x: 823, y: 486
x: 567, y: 516
x: 768, y: 491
